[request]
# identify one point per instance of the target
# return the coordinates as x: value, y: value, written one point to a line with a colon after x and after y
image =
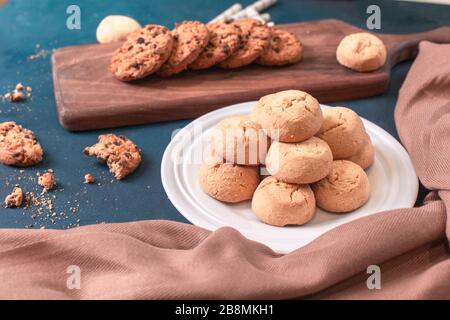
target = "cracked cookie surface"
x: 18, y: 146
x: 345, y: 189
x: 143, y: 53
x: 228, y: 182
x: 288, y: 116
x: 255, y: 40
x: 121, y: 155
x: 190, y: 38
x: 284, y: 48
x: 279, y: 203
x: 343, y: 130
x: 362, y: 52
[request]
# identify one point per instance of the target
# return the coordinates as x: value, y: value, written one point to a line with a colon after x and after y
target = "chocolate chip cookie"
x: 18, y: 146
x: 224, y: 40
x: 285, y: 48
x: 143, y: 53
x: 255, y: 40
x: 190, y: 38
x: 121, y: 155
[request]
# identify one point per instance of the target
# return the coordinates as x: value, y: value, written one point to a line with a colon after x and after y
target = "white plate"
x: 392, y: 177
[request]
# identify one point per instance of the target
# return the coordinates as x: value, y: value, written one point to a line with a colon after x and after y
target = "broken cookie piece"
x: 120, y: 154
x: 47, y: 180
x: 18, y: 146
x: 15, y: 198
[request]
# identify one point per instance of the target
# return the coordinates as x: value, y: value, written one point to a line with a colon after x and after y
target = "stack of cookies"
x: 314, y: 157
x: 193, y: 45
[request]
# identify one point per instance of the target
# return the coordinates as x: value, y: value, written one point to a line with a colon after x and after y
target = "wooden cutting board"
x: 89, y: 97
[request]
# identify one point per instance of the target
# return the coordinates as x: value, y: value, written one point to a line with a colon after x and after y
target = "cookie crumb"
x: 16, y: 96
x: 19, y: 86
x: 15, y: 198
x: 89, y: 178
x: 47, y: 180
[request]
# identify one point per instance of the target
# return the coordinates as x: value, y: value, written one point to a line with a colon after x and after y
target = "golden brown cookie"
x: 285, y: 48
x: 288, y: 116
x: 224, y: 40
x: 121, y: 155
x: 361, y: 52
x: 365, y: 155
x: 143, y: 53
x: 190, y: 39
x: 279, y: 203
x: 18, y: 146
x: 345, y: 189
x: 255, y: 39
x: 343, y: 130
x: 228, y: 182
x: 301, y: 163
x: 239, y: 140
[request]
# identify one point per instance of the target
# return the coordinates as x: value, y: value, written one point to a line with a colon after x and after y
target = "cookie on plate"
x: 228, y: 182
x: 239, y: 140
x: 365, y: 155
x: 285, y: 48
x: 255, y: 40
x: 121, y: 155
x: 301, y: 163
x: 224, y: 40
x: 279, y: 203
x: 288, y: 116
x: 190, y: 39
x: 343, y: 130
x: 362, y: 52
x: 345, y: 189
x: 143, y: 53
x: 18, y: 146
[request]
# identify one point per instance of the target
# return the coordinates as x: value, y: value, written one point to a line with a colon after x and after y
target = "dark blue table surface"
x: 27, y: 27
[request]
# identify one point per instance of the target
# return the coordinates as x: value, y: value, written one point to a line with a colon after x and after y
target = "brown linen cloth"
x: 168, y: 260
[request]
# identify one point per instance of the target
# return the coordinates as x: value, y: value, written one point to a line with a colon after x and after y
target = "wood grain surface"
x: 88, y: 96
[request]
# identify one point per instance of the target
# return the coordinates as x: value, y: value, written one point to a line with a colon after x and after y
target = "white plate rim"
x: 186, y: 208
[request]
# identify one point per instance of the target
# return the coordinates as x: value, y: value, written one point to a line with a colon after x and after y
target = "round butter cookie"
x: 345, y: 189
x: 365, y: 156
x: 239, y: 140
x: 228, y: 182
x: 362, y: 52
x: 116, y: 28
x: 343, y: 130
x: 288, y: 116
x: 280, y: 204
x: 301, y: 162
